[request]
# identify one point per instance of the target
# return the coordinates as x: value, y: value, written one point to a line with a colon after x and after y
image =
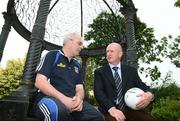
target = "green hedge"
x: 166, y: 110
x: 167, y: 103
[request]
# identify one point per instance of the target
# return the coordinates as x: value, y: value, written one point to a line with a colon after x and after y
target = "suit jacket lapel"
x: 109, y: 75
x: 124, y: 74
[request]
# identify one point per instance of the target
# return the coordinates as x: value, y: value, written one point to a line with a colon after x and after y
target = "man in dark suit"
x: 106, y: 91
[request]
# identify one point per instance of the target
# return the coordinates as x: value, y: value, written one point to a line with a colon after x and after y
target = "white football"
x: 131, y: 98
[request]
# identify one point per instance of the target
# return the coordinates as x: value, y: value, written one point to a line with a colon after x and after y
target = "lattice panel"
x: 66, y: 16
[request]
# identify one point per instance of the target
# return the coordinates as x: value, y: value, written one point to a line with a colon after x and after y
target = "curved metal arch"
x: 25, y: 33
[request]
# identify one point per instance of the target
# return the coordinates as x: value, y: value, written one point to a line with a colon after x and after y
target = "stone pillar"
x: 131, y: 52
x: 5, y: 32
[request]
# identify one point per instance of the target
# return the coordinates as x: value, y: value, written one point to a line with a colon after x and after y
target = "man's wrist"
x: 109, y: 111
x: 152, y: 99
x: 80, y: 97
x: 151, y: 96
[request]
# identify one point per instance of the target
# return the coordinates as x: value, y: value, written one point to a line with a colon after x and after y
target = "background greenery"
x: 10, y: 77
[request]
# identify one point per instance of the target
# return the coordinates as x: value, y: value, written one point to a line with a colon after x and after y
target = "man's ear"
x: 121, y: 54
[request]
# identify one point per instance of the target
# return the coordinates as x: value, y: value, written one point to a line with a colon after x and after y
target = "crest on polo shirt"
x: 76, y: 69
x: 61, y: 65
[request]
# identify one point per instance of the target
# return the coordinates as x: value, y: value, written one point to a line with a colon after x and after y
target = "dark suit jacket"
x: 104, y: 85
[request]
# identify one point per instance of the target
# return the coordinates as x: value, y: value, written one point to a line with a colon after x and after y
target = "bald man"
x: 110, y: 98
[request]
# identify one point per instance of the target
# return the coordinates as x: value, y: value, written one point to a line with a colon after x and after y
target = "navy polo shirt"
x: 63, y: 75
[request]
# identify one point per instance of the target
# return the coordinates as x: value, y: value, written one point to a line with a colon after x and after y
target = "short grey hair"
x: 70, y: 36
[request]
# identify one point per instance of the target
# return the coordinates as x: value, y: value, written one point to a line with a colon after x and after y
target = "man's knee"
x: 48, y: 108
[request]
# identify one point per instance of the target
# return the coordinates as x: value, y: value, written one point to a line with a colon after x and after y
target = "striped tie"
x: 119, y: 102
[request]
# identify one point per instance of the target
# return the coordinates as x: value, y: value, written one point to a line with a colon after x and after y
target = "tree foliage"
x: 104, y: 29
x: 10, y: 77
x: 173, y: 49
x: 177, y: 3
x: 91, y: 65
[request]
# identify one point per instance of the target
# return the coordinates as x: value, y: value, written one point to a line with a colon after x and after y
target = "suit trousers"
x: 133, y: 115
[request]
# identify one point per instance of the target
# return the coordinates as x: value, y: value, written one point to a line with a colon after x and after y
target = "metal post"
x: 35, y: 48
x: 131, y: 53
x: 5, y: 32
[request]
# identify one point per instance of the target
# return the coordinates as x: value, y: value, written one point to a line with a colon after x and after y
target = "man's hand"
x: 117, y: 114
x: 78, y: 98
x: 77, y: 103
x: 73, y: 104
x: 68, y: 102
x: 146, y: 98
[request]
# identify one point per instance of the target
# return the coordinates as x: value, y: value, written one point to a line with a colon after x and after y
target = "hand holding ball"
x: 131, y: 98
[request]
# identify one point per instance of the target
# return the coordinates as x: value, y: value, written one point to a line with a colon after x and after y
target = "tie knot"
x: 115, y: 68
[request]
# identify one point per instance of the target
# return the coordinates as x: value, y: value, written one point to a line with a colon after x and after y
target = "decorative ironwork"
x: 66, y: 16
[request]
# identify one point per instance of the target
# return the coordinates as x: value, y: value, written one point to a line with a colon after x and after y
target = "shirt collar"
x: 61, y: 52
x: 118, y: 65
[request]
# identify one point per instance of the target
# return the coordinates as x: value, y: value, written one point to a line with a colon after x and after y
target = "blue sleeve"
x: 46, y: 64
